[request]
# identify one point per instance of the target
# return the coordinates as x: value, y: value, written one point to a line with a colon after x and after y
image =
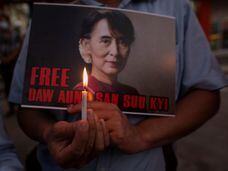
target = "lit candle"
x: 84, y: 94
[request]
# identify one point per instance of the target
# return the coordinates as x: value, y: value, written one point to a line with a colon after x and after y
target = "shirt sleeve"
x: 8, y: 158
x: 201, y: 69
x: 15, y: 95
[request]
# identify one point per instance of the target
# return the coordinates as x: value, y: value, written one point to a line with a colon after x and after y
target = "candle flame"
x: 85, y: 78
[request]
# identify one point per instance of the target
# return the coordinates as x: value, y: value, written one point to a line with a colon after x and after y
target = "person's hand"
x: 123, y: 134
x: 74, y: 144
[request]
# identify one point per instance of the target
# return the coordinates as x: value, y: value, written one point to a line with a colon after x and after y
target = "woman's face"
x: 109, y: 50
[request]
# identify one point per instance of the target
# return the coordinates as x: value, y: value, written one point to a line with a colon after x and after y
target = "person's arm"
x: 191, y: 112
x: 8, y: 157
x: 35, y: 123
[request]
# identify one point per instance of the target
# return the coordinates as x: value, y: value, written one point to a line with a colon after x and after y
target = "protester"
x: 136, y: 142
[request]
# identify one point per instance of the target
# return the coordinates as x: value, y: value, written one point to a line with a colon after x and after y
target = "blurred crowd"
x: 11, y: 37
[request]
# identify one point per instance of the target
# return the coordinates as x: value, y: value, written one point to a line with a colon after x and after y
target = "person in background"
x: 10, y: 44
x: 137, y: 142
x: 8, y: 157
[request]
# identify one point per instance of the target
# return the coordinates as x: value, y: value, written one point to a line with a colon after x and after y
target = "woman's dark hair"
x: 117, y: 21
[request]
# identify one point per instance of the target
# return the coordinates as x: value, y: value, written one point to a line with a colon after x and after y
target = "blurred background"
x: 204, y: 150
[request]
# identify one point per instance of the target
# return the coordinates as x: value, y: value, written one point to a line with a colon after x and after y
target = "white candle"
x: 84, y: 104
x: 84, y: 95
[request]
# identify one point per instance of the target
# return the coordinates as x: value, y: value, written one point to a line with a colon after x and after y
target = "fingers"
x: 62, y: 144
x: 72, y: 109
x: 80, y: 140
x: 59, y: 129
x: 95, y: 105
x: 55, y: 136
x: 107, y: 114
x: 116, y: 124
x: 103, y: 110
x: 82, y: 148
x: 75, y: 150
x: 63, y: 128
x: 102, y: 137
x: 105, y: 133
x: 92, y: 133
x: 99, y: 143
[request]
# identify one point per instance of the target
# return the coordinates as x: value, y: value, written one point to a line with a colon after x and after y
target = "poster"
x: 130, y: 58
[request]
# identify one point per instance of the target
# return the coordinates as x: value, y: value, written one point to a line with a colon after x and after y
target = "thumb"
x: 73, y: 109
